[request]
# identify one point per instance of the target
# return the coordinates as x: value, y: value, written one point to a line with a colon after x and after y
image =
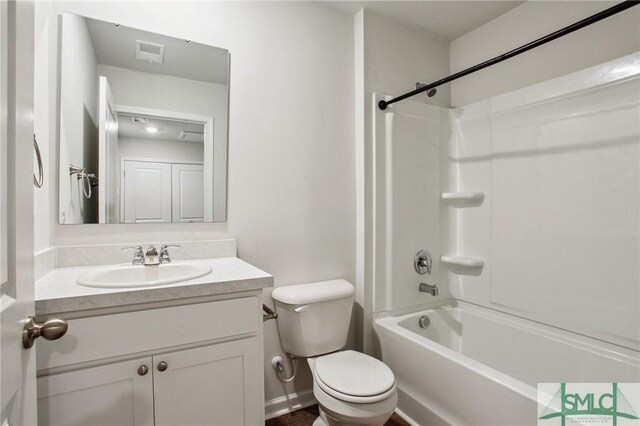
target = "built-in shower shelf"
x: 463, y: 261
x: 463, y: 199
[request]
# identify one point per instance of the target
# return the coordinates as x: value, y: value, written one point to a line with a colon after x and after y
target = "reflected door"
x: 108, y: 155
x: 147, y: 192
x: 188, y: 192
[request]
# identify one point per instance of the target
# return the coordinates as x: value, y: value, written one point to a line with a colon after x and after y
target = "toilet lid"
x: 354, y: 373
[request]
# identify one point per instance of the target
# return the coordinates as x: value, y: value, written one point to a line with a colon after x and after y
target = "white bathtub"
x: 477, y: 366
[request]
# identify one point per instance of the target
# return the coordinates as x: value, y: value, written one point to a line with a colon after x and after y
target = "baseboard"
x: 406, y: 418
x: 288, y: 403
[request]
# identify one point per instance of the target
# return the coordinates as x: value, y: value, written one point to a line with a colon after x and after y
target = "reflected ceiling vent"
x: 141, y: 120
x: 152, y: 52
x: 190, y: 136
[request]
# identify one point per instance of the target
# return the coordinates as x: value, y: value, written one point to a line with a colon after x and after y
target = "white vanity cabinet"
x: 193, y: 364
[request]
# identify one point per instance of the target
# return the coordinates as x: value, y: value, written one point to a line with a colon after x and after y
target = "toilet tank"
x: 314, y: 318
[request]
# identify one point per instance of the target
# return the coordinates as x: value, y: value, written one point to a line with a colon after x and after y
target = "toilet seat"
x: 354, y: 377
x: 336, y: 412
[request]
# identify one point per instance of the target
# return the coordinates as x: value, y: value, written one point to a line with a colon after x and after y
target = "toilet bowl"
x: 351, y: 388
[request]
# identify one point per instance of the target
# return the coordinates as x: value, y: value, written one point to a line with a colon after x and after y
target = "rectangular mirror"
x: 143, y: 126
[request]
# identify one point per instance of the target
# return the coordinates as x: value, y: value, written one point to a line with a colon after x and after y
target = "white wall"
x: 291, y: 139
x: 390, y: 58
x: 397, y: 56
x: 185, y: 152
x: 78, y: 120
x: 164, y: 92
x: 611, y: 38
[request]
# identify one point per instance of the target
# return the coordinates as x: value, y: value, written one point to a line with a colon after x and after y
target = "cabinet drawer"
x: 106, y: 336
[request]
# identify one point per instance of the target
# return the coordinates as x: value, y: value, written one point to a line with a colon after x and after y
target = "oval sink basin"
x: 143, y: 276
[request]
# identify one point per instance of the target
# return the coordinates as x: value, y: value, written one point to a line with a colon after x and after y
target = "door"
x: 112, y: 394
x: 18, y: 367
x: 147, y: 192
x: 108, y: 155
x: 187, y: 196
x: 210, y: 385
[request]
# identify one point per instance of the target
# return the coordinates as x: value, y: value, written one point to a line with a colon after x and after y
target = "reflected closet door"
x: 188, y: 192
x: 147, y: 192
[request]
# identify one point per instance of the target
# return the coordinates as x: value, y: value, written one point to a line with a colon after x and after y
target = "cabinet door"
x: 187, y: 195
x: 212, y: 385
x: 113, y: 394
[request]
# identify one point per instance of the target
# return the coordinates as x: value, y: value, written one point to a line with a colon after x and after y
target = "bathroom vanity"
x: 190, y: 352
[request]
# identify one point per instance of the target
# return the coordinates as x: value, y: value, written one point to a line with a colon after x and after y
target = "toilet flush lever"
x: 303, y: 308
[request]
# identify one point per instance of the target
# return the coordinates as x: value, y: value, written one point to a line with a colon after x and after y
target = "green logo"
x: 587, y: 404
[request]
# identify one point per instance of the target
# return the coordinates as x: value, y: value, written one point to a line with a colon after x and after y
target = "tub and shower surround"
x: 538, y: 206
x: 409, y: 178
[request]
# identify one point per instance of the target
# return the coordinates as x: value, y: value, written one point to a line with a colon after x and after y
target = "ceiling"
x: 168, y: 130
x: 116, y: 46
x: 447, y: 19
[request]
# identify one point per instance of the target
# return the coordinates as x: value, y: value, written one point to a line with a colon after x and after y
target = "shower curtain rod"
x: 539, y: 42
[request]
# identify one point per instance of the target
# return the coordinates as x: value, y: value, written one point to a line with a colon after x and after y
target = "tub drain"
x: 424, y: 321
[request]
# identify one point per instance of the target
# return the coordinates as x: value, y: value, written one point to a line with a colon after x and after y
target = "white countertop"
x: 58, y: 292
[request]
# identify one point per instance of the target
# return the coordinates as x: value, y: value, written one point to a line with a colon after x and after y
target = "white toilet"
x: 351, y: 388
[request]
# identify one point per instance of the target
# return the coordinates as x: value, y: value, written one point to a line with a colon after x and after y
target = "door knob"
x: 143, y: 370
x: 51, y: 329
x: 162, y: 366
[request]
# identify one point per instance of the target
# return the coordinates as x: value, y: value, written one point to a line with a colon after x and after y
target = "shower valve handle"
x: 423, y: 262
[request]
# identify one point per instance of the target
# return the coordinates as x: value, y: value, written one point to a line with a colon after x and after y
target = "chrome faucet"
x: 151, y: 257
x: 138, y: 256
x: 164, y: 252
x: 432, y: 289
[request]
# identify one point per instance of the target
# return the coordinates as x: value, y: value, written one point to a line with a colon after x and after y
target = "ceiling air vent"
x: 191, y: 136
x: 152, y: 52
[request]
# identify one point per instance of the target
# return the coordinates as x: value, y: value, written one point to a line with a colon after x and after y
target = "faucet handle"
x: 138, y: 256
x: 164, y: 252
x: 422, y: 262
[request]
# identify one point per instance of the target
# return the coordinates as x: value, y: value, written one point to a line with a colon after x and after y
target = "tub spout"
x: 432, y: 289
